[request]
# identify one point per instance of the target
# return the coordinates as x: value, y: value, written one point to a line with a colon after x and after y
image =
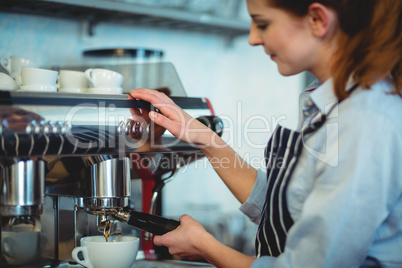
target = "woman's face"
x: 286, y: 38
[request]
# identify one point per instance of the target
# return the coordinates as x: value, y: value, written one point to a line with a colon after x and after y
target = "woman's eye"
x: 262, y: 26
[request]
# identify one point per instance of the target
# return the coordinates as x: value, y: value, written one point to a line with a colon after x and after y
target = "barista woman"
x: 332, y: 192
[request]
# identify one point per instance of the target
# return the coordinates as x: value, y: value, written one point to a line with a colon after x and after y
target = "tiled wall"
x: 240, y: 81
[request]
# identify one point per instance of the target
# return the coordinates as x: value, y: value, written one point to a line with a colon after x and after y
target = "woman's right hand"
x: 187, y: 241
x: 173, y: 118
x: 191, y: 241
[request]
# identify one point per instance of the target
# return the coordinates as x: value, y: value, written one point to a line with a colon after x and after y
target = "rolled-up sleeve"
x: 253, y: 206
x: 263, y: 262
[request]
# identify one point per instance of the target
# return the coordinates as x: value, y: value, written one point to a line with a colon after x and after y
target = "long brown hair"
x: 370, y: 40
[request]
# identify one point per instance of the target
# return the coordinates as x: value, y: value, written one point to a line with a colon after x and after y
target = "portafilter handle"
x: 147, y: 222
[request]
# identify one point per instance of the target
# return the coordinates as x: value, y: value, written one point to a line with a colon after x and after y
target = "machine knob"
x: 132, y: 128
x: 128, y: 127
x: 50, y: 128
x: 66, y: 128
x: 57, y: 127
x: 30, y: 127
x: 121, y: 127
x: 47, y: 128
x: 39, y: 127
x: 4, y: 123
x: 137, y: 130
x: 213, y: 122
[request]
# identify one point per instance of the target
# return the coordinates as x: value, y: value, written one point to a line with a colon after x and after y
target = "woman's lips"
x: 272, y: 57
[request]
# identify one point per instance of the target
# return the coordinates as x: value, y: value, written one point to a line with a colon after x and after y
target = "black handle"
x: 151, y: 223
x: 213, y: 122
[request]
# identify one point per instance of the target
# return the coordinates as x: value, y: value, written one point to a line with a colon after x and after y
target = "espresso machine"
x: 74, y: 165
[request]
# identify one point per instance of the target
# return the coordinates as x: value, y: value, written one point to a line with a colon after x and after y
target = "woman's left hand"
x: 187, y: 241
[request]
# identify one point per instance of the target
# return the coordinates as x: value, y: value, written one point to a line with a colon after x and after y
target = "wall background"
x: 241, y: 82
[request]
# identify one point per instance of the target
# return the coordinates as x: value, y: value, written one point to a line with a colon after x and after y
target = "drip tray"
x: 170, y: 264
x: 137, y: 264
x: 154, y: 264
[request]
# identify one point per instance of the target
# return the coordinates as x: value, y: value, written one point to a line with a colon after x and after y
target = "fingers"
x: 173, y: 118
x: 180, y: 241
x: 158, y: 240
x: 160, y: 120
x: 151, y: 96
x: 160, y: 101
x: 157, y: 99
x: 163, y: 240
x: 184, y: 218
x: 135, y: 112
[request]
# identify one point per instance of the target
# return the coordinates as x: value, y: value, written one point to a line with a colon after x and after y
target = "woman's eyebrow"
x: 259, y: 18
x: 255, y: 16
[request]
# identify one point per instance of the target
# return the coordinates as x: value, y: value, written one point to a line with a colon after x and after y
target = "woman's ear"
x: 322, y: 19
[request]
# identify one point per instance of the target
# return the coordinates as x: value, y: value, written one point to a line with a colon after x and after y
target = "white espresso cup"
x: 7, y: 82
x: 97, y: 253
x: 13, y: 65
x: 37, y: 77
x: 72, y: 81
x: 21, y: 246
x: 103, y: 78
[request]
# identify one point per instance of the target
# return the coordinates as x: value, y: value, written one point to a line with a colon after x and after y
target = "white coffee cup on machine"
x: 103, y: 81
x: 21, y: 246
x: 98, y: 253
x: 36, y: 79
x: 7, y: 82
x: 72, y: 81
x: 13, y: 65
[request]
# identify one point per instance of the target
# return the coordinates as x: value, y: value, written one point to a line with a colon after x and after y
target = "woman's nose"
x: 254, y: 38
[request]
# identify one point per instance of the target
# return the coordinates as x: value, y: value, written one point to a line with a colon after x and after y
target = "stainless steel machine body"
x: 72, y: 161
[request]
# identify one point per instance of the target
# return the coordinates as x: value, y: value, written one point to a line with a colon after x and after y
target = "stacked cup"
x: 7, y: 82
x: 103, y: 81
x: 36, y: 79
x: 13, y: 65
x: 72, y: 82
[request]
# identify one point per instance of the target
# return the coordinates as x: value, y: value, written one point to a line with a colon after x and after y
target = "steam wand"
x: 156, y: 191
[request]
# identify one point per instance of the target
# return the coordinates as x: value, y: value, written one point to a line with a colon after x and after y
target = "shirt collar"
x: 324, y: 96
x: 313, y: 85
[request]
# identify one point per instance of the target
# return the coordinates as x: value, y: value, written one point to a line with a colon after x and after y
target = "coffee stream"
x: 107, y: 232
x: 21, y: 220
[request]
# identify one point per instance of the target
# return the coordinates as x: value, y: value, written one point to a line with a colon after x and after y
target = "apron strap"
x: 282, y: 154
x: 319, y: 123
